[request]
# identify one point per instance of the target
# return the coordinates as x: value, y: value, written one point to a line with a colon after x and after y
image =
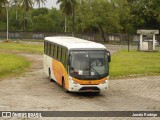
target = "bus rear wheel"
x: 63, y: 85
x: 49, y: 75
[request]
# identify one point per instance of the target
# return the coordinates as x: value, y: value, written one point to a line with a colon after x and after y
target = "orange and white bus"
x: 77, y: 65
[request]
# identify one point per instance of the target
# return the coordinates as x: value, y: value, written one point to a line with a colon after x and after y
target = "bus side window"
x: 66, y: 59
x: 52, y: 50
x: 49, y: 49
x: 63, y: 56
x: 59, y: 53
x: 53, y: 46
x: 55, y: 52
x: 45, y: 51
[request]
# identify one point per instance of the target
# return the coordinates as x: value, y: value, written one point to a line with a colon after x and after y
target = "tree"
x: 2, y: 3
x: 39, y: 2
x: 37, y: 12
x: 145, y: 14
x: 39, y: 23
x: 57, y: 18
x: 15, y: 4
x: 68, y: 8
x: 26, y: 5
x: 52, y: 18
x: 99, y: 16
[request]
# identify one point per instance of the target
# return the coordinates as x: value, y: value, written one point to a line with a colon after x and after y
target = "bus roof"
x: 75, y: 43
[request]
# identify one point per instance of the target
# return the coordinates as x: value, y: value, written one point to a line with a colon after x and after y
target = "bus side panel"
x: 59, y: 71
x: 48, y: 65
x: 44, y: 65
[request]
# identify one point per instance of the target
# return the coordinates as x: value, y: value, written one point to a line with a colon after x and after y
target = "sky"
x: 50, y: 4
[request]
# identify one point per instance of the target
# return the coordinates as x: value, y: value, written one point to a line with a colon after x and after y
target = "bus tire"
x: 49, y: 75
x: 63, y: 85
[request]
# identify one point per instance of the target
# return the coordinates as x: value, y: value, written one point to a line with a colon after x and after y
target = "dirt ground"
x: 33, y: 91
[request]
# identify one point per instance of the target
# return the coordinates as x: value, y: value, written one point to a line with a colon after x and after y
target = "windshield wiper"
x: 96, y: 71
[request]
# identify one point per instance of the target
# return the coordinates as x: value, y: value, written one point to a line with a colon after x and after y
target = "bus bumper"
x: 75, y: 87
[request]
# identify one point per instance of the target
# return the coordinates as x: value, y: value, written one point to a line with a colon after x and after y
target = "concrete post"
x: 141, y: 37
x: 153, y: 41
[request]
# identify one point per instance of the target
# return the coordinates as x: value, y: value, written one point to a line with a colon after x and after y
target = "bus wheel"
x: 49, y: 73
x: 63, y: 85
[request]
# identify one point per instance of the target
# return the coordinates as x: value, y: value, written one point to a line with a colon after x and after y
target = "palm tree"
x: 74, y: 4
x: 15, y: 4
x: 40, y: 1
x: 68, y: 8
x: 3, y: 3
x: 26, y: 4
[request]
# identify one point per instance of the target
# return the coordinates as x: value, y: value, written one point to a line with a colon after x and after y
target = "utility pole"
x: 7, y: 8
x: 73, y: 12
x: 7, y: 21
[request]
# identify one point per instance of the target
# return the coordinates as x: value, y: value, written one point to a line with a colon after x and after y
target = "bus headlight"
x: 70, y: 78
x: 74, y: 82
x: 104, y: 82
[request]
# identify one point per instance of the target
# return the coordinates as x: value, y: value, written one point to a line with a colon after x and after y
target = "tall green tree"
x: 2, y: 4
x: 99, y: 16
x: 68, y: 8
x: 26, y: 5
x: 57, y: 18
x: 14, y: 3
x: 39, y: 2
x: 39, y: 23
x: 145, y: 13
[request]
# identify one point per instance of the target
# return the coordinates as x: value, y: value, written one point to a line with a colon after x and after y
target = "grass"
x: 11, y: 65
x: 133, y: 63
x: 124, y: 64
x: 29, y: 48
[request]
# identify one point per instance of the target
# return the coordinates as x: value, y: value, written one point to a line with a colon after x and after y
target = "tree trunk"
x: 24, y: 22
x: 102, y: 33
x: 65, y: 27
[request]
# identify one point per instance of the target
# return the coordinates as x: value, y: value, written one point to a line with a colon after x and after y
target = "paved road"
x: 33, y: 91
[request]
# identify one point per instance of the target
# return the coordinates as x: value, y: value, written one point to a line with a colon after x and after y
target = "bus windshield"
x: 89, y: 65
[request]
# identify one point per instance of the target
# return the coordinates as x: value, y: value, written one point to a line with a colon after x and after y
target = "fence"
x: 114, y: 38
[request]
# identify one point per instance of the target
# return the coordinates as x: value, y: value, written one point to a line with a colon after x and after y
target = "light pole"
x: 7, y: 21
x: 7, y: 7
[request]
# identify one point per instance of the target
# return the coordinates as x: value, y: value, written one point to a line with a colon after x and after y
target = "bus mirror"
x: 109, y: 56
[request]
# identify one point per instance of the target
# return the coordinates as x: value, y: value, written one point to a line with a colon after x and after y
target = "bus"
x: 77, y: 65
